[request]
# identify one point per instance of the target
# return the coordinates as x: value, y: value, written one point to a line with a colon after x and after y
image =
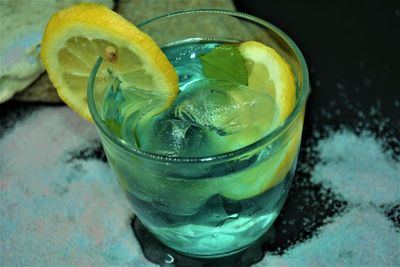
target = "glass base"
x: 214, y: 242
x: 213, y: 256
x: 158, y: 253
x: 237, y: 231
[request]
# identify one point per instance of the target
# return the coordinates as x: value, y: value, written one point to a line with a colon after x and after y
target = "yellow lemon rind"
x: 97, y: 21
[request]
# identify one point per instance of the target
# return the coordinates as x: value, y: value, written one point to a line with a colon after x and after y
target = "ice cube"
x: 124, y: 107
x: 210, y: 117
x: 172, y: 137
x: 227, y: 109
x: 113, y: 100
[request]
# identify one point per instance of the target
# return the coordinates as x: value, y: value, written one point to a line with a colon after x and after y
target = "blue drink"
x: 209, y: 175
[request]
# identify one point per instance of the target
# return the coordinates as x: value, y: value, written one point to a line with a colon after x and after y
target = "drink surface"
x: 209, y: 116
x: 216, y: 208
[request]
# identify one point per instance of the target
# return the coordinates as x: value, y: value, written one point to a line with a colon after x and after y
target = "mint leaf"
x: 225, y: 62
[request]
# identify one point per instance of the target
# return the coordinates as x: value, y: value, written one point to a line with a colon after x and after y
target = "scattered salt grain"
x: 357, y: 168
x: 339, y: 86
x: 360, y: 170
x: 360, y: 237
x: 58, y: 211
x: 367, y: 82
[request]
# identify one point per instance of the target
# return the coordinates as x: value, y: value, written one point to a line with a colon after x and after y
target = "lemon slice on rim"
x: 76, y: 36
x: 268, y: 72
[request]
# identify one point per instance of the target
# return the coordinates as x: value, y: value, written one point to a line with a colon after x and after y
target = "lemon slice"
x: 76, y: 36
x: 265, y: 174
x: 268, y: 72
x: 272, y: 85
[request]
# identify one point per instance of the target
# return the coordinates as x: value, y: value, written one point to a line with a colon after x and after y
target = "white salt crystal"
x: 53, y: 214
x: 358, y: 169
x: 360, y: 237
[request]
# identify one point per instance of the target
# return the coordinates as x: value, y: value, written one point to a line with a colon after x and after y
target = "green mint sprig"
x: 225, y: 62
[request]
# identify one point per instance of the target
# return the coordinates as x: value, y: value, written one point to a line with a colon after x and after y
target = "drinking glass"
x: 219, y: 204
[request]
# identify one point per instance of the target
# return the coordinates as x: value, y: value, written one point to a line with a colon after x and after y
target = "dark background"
x: 351, y: 48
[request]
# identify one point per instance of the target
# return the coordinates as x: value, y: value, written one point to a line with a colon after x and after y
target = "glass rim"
x: 305, y: 90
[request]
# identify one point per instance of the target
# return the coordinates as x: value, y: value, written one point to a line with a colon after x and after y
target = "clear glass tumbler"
x: 220, y: 204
